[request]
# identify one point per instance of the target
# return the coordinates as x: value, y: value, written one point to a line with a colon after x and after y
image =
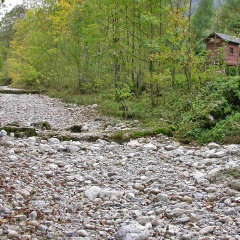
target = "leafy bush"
x: 232, y: 71
x: 5, y: 80
x: 225, y: 131
x: 215, y: 113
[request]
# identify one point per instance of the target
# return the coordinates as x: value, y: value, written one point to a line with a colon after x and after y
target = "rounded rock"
x: 93, y: 192
x: 12, y: 234
x: 235, y: 184
x: 207, y: 230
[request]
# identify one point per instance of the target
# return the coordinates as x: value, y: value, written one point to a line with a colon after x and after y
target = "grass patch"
x: 152, y: 132
x: 75, y: 98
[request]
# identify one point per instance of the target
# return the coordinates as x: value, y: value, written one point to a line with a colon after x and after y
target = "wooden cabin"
x: 223, y: 48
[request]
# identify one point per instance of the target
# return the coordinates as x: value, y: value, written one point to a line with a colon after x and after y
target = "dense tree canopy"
x: 93, y: 45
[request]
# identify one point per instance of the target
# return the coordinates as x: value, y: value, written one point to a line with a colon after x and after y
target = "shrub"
x: 215, y: 113
x: 5, y: 80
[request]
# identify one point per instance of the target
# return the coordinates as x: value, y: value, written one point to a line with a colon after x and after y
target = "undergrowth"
x: 215, y: 114
x: 211, y: 112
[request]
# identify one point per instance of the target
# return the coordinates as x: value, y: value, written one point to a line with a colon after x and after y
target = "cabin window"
x: 231, y: 50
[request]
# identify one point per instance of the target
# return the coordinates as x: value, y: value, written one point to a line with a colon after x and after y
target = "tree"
x: 202, y: 22
x: 6, y: 30
x: 93, y: 45
x: 228, y: 20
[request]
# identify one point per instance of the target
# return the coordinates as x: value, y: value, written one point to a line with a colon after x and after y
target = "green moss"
x: 20, y: 131
x: 42, y: 125
x: 151, y: 132
x: 75, y: 128
x: 124, y: 136
x: 46, y: 125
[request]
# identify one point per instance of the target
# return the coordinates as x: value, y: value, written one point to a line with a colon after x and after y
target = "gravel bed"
x: 147, y: 189
x: 33, y: 108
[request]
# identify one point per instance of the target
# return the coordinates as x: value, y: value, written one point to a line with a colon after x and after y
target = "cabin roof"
x: 225, y: 37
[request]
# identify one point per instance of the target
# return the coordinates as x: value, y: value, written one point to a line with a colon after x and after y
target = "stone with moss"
x: 42, y: 125
x: 20, y: 131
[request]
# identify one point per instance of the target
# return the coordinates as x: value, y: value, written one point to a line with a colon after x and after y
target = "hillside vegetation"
x: 140, y: 60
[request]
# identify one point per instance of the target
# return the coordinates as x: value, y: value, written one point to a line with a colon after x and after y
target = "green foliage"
x: 215, y: 113
x: 94, y: 45
x: 225, y: 131
x: 151, y: 132
x: 75, y: 98
x: 232, y: 71
x: 202, y: 22
x: 5, y: 80
x: 122, y: 94
x: 228, y: 19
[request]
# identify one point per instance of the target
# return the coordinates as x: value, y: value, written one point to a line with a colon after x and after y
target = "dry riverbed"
x: 147, y: 189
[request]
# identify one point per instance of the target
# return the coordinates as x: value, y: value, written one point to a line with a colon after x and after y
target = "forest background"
x: 138, y: 59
